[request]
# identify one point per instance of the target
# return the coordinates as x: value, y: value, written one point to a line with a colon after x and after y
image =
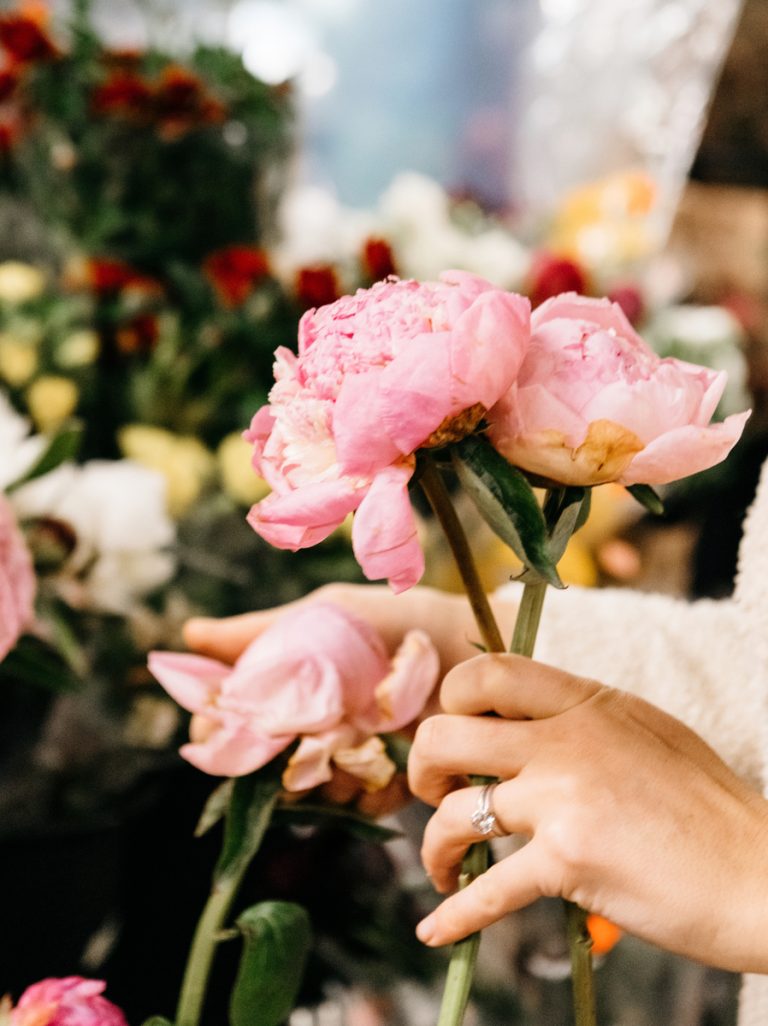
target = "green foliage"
x: 647, y: 498
x: 276, y: 941
x: 64, y: 446
x: 248, y: 815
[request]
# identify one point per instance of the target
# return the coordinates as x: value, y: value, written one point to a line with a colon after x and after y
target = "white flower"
x: 19, y: 450
x: 117, y: 510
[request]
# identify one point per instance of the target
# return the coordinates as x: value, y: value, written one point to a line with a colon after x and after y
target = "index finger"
x: 514, y: 687
x: 226, y: 639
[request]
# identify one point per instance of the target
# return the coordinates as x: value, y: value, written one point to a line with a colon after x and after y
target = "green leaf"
x: 33, y: 662
x: 507, y: 503
x: 158, y: 1020
x: 63, y: 446
x: 357, y: 824
x: 276, y: 941
x: 565, y: 512
x: 250, y: 810
x: 647, y: 497
x: 215, y: 807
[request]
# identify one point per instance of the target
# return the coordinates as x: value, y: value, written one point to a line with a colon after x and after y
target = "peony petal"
x: 310, y: 764
x: 191, y: 680
x: 598, y: 313
x: 384, y: 535
x: 683, y: 451
x: 363, y: 444
x: 233, y: 751
x: 368, y: 762
x: 305, y: 516
x: 404, y: 692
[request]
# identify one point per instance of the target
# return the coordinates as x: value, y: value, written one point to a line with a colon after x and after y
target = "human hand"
x: 629, y: 813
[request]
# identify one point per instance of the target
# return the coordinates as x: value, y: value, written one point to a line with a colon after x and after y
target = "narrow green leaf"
x: 158, y: 1020
x: 215, y: 807
x: 250, y: 810
x: 507, y: 503
x: 355, y: 823
x: 32, y: 662
x: 63, y: 446
x: 647, y: 497
x: 276, y: 941
x: 565, y: 512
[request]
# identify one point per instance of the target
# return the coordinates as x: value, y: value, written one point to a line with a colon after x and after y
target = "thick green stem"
x: 210, y: 924
x: 580, y: 944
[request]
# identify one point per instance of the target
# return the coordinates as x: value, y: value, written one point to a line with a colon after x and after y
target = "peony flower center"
x: 454, y: 428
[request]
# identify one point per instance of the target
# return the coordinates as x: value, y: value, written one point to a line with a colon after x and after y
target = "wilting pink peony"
x: 593, y: 403
x: 17, y: 580
x: 71, y: 1001
x: 319, y: 674
x: 379, y: 374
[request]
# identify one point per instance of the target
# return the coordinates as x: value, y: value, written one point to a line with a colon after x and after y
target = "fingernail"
x: 426, y: 929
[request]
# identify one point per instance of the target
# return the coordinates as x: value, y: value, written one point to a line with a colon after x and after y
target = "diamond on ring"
x: 483, y: 818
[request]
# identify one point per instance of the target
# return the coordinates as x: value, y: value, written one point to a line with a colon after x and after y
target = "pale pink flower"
x: 70, y: 1001
x: 378, y: 375
x: 593, y: 403
x: 17, y: 580
x: 318, y: 674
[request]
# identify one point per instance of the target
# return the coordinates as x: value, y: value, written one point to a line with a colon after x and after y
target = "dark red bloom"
x: 630, y: 299
x: 24, y: 39
x: 108, y: 277
x: 123, y: 94
x: 378, y: 259
x: 551, y: 274
x: 9, y: 79
x: 9, y: 134
x: 139, y: 336
x: 235, y: 271
x: 317, y: 286
x: 183, y: 103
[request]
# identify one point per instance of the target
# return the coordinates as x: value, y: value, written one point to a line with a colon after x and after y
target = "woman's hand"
x: 628, y: 812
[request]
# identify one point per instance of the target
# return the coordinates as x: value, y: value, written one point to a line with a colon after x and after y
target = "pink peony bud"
x: 17, y: 581
x: 70, y: 1001
x: 318, y: 674
x: 593, y: 403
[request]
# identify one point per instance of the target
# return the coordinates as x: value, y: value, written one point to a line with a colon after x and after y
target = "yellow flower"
x: 238, y: 477
x: 51, y: 399
x: 78, y: 349
x: 18, y: 360
x: 183, y: 459
x: 20, y: 282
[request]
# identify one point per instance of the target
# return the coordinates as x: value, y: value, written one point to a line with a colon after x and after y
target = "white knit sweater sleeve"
x: 705, y: 662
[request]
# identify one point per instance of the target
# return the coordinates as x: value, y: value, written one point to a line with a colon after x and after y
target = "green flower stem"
x: 437, y: 495
x: 580, y: 945
x: 208, y: 933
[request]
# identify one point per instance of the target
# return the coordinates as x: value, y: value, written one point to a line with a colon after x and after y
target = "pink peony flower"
x: 318, y: 674
x: 17, y: 581
x: 71, y: 1001
x: 593, y: 403
x: 378, y: 375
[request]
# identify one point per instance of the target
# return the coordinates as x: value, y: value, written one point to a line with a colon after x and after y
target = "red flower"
x: 124, y: 94
x: 182, y: 103
x: 139, y: 335
x: 108, y: 277
x: 317, y: 286
x: 24, y: 39
x: 551, y: 274
x: 235, y: 271
x: 630, y: 299
x: 9, y: 79
x: 9, y: 134
x: 378, y: 259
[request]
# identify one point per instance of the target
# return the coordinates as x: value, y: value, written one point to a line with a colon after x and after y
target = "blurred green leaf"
x: 565, y: 511
x: 353, y: 822
x: 33, y: 662
x: 63, y: 446
x: 215, y: 807
x: 647, y: 497
x: 276, y: 941
x: 507, y: 503
x: 248, y: 815
x: 158, y: 1020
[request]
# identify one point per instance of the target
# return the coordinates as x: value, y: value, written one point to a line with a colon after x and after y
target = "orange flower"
x: 378, y: 259
x: 235, y: 271
x: 23, y: 35
x: 317, y: 286
x: 605, y: 934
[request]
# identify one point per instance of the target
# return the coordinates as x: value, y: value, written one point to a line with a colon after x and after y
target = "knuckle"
x: 431, y: 736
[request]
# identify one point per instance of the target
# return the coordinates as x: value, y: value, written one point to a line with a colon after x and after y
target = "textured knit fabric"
x: 705, y: 662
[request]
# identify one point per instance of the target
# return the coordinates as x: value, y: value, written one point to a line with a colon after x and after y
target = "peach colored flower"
x: 379, y: 374
x: 70, y: 1001
x: 593, y: 403
x: 17, y: 581
x: 319, y: 675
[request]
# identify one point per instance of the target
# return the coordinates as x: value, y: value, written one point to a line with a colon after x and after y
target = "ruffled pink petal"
x: 683, y: 451
x: 601, y: 313
x: 233, y: 751
x: 404, y: 692
x: 191, y: 680
x: 305, y: 516
x: 310, y: 764
x: 368, y: 762
x: 363, y: 445
x: 384, y: 534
